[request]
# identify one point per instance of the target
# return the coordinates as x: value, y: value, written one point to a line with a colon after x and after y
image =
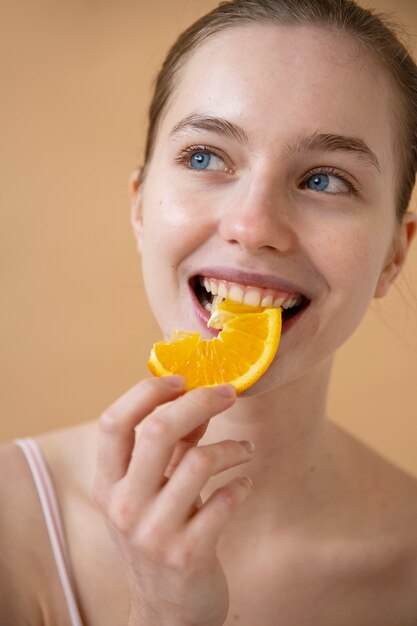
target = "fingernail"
x: 175, y: 381
x: 248, y: 445
x: 227, y: 391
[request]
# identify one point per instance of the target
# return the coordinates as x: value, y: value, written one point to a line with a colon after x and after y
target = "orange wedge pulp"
x: 240, y: 354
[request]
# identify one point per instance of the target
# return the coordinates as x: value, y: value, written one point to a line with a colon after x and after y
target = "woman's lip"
x: 262, y: 281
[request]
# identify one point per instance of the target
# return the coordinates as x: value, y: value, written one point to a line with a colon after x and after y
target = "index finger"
x: 117, y: 423
x: 161, y: 433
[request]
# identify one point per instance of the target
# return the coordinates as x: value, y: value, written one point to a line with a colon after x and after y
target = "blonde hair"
x: 374, y: 32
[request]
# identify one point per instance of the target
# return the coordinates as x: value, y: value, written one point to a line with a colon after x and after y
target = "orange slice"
x: 240, y: 354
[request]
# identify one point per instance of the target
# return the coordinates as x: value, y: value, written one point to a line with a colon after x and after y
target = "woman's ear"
x: 135, y: 192
x: 396, y: 260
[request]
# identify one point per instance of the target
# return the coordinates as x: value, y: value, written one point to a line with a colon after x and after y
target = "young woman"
x: 281, y: 155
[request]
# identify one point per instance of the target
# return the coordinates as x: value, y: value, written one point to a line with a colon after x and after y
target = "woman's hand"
x: 147, y: 485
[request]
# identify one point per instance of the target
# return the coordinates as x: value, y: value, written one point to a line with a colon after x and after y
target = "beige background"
x: 75, y: 326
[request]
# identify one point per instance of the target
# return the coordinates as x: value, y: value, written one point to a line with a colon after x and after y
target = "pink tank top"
x: 50, y: 509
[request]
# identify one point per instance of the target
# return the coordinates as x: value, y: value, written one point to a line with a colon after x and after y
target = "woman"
x: 281, y: 155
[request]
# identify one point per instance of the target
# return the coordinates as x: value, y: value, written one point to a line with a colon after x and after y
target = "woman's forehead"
x: 284, y: 78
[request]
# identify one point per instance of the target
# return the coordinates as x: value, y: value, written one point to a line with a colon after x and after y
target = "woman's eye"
x: 327, y: 183
x: 202, y: 158
x: 206, y: 161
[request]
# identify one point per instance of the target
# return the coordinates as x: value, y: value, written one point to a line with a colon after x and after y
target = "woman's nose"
x: 259, y: 217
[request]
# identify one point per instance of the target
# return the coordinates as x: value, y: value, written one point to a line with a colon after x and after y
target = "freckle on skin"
x: 312, y: 469
x: 236, y: 616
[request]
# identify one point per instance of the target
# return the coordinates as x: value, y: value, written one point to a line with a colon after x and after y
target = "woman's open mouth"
x: 209, y: 291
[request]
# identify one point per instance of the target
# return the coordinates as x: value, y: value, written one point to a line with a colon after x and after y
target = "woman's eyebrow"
x: 320, y: 142
x: 218, y: 125
x: 316, y: 142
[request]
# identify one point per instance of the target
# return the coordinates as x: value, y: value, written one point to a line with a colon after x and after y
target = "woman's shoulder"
x: 381, y: 489
x: 19, y: 504
x: 28, y: 578
x: 372, y: 470
x: 20, y: 528
x: 70, y: 455
x: 381, y: 505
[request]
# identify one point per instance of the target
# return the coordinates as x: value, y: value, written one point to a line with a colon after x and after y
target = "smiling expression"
x: 272, y: 171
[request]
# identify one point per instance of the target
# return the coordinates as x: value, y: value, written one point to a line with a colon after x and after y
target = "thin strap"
x: 52, y: 517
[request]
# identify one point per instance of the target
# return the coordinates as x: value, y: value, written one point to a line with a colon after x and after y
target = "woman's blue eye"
x: 318, y: 182
x: 327, y: 183
x: 206, y: 160
x: 200, y: 160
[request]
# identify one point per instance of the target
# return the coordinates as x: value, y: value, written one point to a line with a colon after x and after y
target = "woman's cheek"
x: 179, y: 214
x: 353, y: 257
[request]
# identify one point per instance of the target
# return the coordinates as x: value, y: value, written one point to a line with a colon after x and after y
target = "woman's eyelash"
x: 331, y: 171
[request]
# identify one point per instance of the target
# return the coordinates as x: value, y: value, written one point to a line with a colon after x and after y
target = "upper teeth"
x: 245, y: 294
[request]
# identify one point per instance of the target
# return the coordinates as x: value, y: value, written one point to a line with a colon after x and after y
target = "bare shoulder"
x: 70, y: 454
x: 20, y: 524
x: 390, y: 487
x: 384, y: 498
x: 30, y: 590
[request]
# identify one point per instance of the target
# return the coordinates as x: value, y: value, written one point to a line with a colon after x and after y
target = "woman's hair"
x: 374, y: 33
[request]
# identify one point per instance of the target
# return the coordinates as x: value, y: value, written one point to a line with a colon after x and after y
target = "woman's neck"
x: 291, y: 467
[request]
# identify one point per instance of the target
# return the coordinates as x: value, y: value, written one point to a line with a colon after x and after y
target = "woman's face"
x: 273, y: 168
